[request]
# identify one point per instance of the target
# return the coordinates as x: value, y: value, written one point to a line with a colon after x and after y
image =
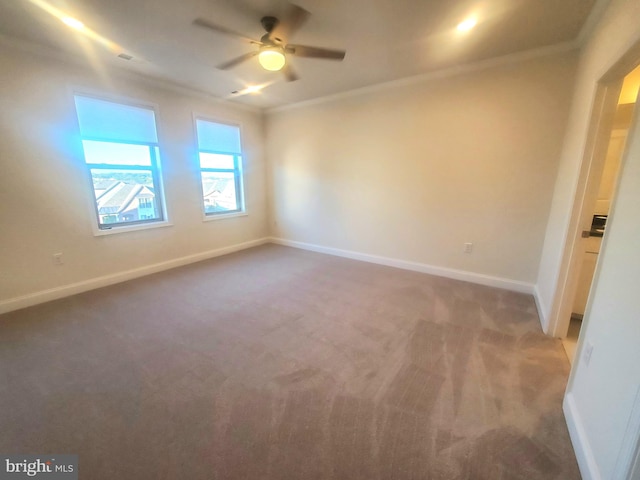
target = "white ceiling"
x: 385, y: 40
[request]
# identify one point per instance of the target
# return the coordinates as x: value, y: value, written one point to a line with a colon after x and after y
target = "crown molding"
x: 597, y: 12
x: 122, y: 72
x: 561, y: 48
x: 462, y: 69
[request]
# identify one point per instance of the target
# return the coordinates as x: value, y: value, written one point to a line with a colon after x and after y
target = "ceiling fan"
x: 274, y: 47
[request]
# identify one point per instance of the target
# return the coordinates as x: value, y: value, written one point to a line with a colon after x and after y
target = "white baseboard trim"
x: 542, y: 310
x: 586, y: 460
x: 93, y: 283
x: 478, y: 278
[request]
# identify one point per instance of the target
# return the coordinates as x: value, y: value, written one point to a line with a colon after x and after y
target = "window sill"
x: 220, y: 216
x: 97, y: 232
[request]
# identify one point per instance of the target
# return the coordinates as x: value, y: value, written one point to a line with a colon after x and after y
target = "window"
x: 220, y: 157
x: 120, y: 145
x: 145, y: 203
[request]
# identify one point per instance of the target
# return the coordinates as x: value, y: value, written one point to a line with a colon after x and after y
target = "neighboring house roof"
x: 105, y: 185
x: 119, y: 197
x: 219, y: 186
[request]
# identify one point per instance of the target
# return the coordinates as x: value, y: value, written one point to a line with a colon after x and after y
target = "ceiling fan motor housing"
x: 269, y: 23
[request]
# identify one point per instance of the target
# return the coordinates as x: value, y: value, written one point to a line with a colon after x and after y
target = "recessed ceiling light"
x: 467, y: 25
x: 250, y: 90
x: 73, y: 23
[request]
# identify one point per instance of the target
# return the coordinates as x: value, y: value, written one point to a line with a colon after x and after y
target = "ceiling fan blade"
x: 289, y: 73
x: 291, y: 22
x: 315, y: 52
x: 236, y: 61
x: 201, y: 22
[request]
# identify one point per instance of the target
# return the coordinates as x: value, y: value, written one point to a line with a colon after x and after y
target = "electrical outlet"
x: 588, y: 350
x: 468, y: 248
x: 57, y: 259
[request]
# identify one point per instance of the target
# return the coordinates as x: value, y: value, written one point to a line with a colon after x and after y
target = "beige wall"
x: 415, y: 171
x: 45, y: 194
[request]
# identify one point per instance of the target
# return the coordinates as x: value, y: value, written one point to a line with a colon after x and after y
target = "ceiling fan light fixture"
x: 272, y: 58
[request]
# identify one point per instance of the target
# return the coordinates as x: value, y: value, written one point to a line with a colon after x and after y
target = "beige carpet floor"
x: 277, y: 363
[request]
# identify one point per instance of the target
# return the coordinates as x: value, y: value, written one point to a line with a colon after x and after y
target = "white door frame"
x: 593, y: 162
x: 628, y: 461
x: 600, y: 127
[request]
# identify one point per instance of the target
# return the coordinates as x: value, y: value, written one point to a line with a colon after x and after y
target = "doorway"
x: 601, y: 186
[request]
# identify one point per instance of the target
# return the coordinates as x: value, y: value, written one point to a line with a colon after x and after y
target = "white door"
x: 602, y: 395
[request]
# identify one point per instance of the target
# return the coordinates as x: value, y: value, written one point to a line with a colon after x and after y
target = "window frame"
x: 155, y: 167
x: 237, y: 171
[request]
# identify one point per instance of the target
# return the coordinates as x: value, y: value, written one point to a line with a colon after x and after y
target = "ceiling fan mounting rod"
x: 269, y: 23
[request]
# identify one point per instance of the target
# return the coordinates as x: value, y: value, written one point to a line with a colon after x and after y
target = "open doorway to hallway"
x: 600, y: 210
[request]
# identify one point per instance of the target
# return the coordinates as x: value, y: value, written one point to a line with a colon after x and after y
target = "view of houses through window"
x: 121, y: 151
x: 124, y: 197
x: 220, y: 158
